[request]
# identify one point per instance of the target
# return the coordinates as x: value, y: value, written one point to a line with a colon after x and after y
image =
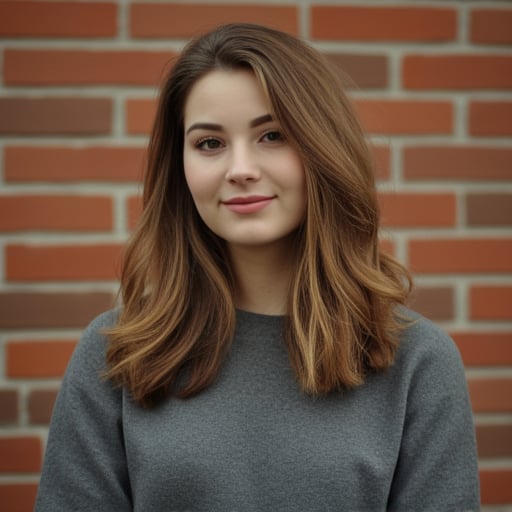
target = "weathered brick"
x: 492, y: 209
x: 492, y: 26
x: 69, y: 164
x: 457, y: 163
x: 55, y: 213
x: 38, y: 358
x: 386, y: 23
x: 30, y: 310
x: 184, y: 20
x: 58, y: 19
x: 457, y: 72
x: 55, y: 116
x: 63, y: 262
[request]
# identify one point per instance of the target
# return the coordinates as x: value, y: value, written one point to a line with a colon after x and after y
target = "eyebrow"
x: 218, y: 127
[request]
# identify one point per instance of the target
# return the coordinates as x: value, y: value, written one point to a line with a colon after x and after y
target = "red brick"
x: 457, y: 163
x: 490, y: 302
x: 35, y: 359
x: 36, y: 310
x: 64, y: 164
x: 180, y: 20
x: 347, y: 23
x: 491, y: 395
x: 417, y: 209
x: 40, y: 406
x: 387, y: 246
x: 490, y: 118
x: 361, y: 70
x: 382, y: 162
x: 55, y: 213
x: 84, y: 67
x: 55, y: 116
x: 9, y: 410
x: 21, y: 497
x: 408, y: 117
x: 484, y: 348
x: 20, y: 454
x: 140, y: 114
x: 436, y: 303
x: 493, y: 209
x: 496, y: 486
x: 457, y: 72
x: 134, y: 209
x: 494, y: 440
x: 58, y: 19
x: 493, y: 26
x: 461, y: 256
x: 62, y: 262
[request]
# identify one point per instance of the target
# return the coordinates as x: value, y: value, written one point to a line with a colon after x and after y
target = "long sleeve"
x: 85, y: 464
x: 437, y: 465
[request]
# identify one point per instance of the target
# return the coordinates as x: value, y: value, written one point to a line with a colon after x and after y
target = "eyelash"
x: 200, y: 144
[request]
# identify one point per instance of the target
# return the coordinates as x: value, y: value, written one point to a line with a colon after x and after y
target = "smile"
x: 251, y: 204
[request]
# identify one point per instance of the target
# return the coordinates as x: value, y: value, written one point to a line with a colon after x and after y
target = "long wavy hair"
x: 177, y: 319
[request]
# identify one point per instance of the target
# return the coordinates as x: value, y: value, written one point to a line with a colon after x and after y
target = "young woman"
x: 263, y: 358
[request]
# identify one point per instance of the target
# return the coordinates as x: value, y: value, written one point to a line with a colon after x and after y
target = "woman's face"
x: 246, y: 180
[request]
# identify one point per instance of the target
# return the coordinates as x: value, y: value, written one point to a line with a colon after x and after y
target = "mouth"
x: 248, y: 204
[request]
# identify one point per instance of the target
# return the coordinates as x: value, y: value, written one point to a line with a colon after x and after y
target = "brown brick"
x: 487, y: 118
x: 40, y: 406
x: 55, y: 213
x: 180, y: 20
x: 491, y: 395
x: 457, y: 72
x: 21, y: 497
x: 494, y: 440
x: 461, y: 255
x: 62, y: 262
x: 457, y: 163
x: 434, y: 303
x: 382, y: 162
x: 9, y: 411
x: 20, y: 454
x: 485, y: 348
x: 27, y: 310
x: 58, y: 19
x: 387, y: 23
x: 64, y: 164
x: 493, y: 26
x: 84, y: 67
x: 417, y: 209
x: 55, y: 116
x: 414, y: 117
x: 38, y: 358
x: 134, y: 209
x: 363, y: 71
x: 496, y: 486
x: 490, y: 302
x: 492, y: 209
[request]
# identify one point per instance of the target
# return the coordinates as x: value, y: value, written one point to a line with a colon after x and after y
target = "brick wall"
x: 77, y: 96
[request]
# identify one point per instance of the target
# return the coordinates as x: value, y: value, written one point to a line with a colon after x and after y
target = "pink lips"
x: 250, y: 204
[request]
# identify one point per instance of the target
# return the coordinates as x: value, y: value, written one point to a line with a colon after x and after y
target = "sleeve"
x: 437, y: 467
x: 85, y: 465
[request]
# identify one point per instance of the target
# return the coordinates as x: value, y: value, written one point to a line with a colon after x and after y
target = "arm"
x: 437, y: 465
x: 85, y: 466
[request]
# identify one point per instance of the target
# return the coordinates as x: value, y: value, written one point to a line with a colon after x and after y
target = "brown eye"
x: 273, y: 136
x: 208, y: 144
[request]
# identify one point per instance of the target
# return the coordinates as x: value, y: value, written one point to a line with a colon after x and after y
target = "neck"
x: 262, y: 277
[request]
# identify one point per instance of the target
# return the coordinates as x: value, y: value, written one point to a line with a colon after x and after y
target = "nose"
x: 243, y: 164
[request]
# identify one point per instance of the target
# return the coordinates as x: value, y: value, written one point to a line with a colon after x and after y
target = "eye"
x: 208, y: 144
x: 273, y: 136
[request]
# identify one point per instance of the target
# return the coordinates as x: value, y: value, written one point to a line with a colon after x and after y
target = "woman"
x: 262, y: 358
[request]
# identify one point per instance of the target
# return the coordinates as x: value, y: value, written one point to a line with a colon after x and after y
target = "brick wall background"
x: 77, y: 96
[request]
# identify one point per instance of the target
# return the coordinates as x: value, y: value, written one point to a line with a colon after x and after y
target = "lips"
x: 248, y: 204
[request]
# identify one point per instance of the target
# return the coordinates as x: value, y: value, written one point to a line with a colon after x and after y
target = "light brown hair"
x: 178, y: 317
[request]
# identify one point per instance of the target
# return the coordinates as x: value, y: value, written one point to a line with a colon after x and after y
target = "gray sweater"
x: 403, y: 441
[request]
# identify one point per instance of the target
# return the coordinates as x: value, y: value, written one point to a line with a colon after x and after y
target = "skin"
x: 247, y: 183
